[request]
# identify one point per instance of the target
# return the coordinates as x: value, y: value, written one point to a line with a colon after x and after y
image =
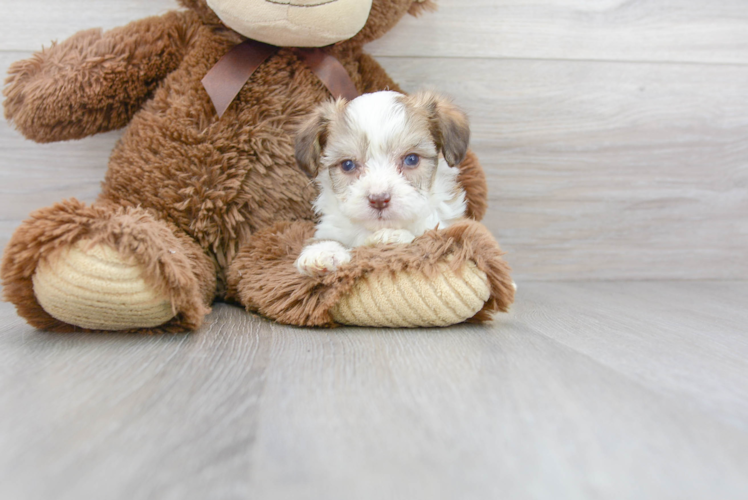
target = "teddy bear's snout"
x: 301, y: 3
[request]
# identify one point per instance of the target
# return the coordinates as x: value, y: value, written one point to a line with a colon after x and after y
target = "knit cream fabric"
x: 95, y: 288
x: 410, y: 299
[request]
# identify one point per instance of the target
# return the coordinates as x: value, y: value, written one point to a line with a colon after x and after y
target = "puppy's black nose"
x: 379, y: 201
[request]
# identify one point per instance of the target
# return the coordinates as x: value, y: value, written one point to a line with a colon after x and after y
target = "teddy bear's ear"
x: 448, y: 124
x: 312, y: 136
x: 420, y: 6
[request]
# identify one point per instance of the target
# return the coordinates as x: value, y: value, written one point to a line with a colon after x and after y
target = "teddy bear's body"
x: 185, y: 189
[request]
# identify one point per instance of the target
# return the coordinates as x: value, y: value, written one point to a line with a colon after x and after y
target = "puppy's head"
x: 377, y: 158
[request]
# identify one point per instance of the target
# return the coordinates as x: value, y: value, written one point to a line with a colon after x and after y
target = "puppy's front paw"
x: 323, y: 257
x: 388, y: 235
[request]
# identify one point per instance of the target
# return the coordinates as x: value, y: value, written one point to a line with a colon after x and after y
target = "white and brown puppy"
x: 385, y: 164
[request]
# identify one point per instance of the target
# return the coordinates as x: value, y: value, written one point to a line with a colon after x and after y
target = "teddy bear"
x: 200, y: 204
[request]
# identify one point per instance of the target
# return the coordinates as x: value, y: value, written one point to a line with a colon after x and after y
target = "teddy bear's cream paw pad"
x: 410, y: 299
x: 96, y: 288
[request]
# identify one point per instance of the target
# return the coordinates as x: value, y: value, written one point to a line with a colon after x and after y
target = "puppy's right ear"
x: 312, y: 136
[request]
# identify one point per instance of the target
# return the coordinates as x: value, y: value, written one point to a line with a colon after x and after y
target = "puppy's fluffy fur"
x: 385, y: 167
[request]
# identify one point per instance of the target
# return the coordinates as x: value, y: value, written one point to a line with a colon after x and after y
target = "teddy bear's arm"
x: 94, y: 81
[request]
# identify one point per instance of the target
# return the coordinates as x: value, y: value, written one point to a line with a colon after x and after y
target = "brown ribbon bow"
x: 225, y: 80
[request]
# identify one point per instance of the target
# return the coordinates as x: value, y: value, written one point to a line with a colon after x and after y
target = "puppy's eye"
x: 412, y: 160
x: 347, y: 165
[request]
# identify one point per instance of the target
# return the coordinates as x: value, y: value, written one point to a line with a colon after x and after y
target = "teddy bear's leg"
x: 73, y: 267
x: 441, y: 278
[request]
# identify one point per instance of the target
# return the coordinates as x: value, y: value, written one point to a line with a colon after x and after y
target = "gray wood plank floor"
x: 586, y: 390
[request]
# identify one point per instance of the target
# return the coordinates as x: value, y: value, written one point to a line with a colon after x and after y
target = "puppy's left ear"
x: 448, y: 124
x: 312, y: 136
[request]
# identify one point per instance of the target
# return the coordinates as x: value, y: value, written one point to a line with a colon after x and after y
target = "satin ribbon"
x: 225, y: 80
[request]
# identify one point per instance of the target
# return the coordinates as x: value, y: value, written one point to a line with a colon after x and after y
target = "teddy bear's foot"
x: 94, y: 287
x: 441, y: 278
x: 72, y: 267
x: 409, y: 299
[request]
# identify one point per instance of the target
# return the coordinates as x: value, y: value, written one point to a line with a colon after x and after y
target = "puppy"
x: 385, y: 164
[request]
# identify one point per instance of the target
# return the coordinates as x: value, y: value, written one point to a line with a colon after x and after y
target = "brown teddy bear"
x: 197, y: 207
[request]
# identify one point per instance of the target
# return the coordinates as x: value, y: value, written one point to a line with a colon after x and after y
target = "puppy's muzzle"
x: 379, y: 201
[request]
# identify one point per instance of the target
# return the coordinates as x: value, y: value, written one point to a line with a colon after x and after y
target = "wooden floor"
x: 586, y: 390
